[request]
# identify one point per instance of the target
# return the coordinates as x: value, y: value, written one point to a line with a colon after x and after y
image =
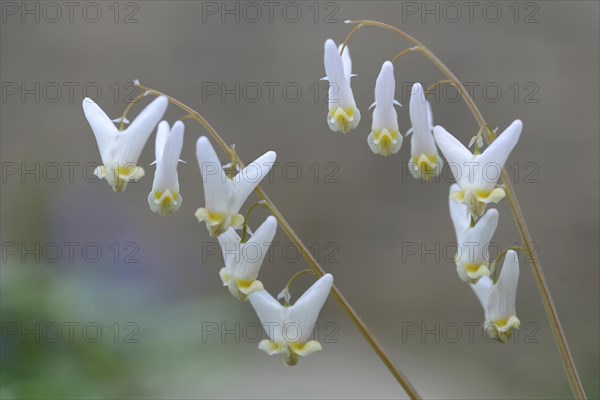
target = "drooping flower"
x: 499, y: 299
x: 343, y: 114
x: 290, y: 328
x: 120, y: 150
x: 425, y: 162
x: 477, y: 175
x: 164, y: 197
x: 472, y: 257
x: 243, y: 260
x: 385, y: 138
x: 224, y: 195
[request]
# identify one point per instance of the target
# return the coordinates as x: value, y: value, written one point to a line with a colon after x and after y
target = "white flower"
x: 477, y: 175
x: 385, y: 138
x: 425, y: 162
x: 225, y: 196
x: 472, y: 257
x: 290, y: 328
x: 164, y: 197
x: 499, y: 299
x: 120, y: 150
x: 243, y: 260
x: 343, y: 114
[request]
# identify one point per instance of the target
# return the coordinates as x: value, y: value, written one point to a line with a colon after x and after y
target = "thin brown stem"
x: 304, y: 251
x: 538, y: 273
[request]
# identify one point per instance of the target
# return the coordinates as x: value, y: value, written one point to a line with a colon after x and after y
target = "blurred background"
x: 101, y: 298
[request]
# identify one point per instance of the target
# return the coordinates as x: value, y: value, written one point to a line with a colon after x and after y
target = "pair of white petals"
x: 224, y: 196
x: 290, y: 328
x: 477, y: 175
x: 120, y: 151
x: 244, y: 260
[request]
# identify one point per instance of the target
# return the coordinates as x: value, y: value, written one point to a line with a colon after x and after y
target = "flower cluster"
x: 476, y: 175
x: 226, y: 189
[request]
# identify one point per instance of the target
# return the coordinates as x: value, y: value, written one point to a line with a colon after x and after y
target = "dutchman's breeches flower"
x: 499, y: 300
x: 385, y: 138
x: 425, y: 162
x: 477, y: 175
x: 343, y: 114
x: 290, y: 328
x: 164, y: 197
x: 120, y: 150
x: 243, y: 260
x: 224, y: 195
x: 472, y: 257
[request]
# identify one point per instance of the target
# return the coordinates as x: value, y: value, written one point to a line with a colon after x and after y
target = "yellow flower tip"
x: 218, y: 223
x: 248, y: 287
x: 270, y: 347
x: 426, y: 167
x: 475, y: 272
x: 386, y: 142
x: 304, y: 349
x: 458, y: 196
x: 502, y: 329
x: 118, y: 177
x: 164, y: 203
x: 343, y: 120
x: 225, y: 277
x: 494, y: 196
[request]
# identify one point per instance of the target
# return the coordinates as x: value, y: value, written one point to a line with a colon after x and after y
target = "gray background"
x: 371, y: 214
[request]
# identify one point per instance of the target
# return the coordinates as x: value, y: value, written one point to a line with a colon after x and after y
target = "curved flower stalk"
x: 290, y: 328
x: 385, y: 138
x: 472, y: 257
x: 164, y: 197
x: 425, y: 162
x: 343, y: 114
x: 120, y: 150
x: 477, y: 175
x: 498, y: 299
x: 225, y: 196
x: 243, y: 260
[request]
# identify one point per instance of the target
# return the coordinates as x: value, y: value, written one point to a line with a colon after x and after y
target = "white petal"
x: 255, y: 250
x: 137, y: 133
x: 384, y: 115
x: 248, y: 178
x: 477, y: 238
x: 162, y: 132
x: 305, y: 310
x: 346, y: 61
x: 482, y: 291
x: 421, y: 120
x: 270, y: 312
x: 456, y: 154
x: 230, y: 248
x: 503, y: 295
x: 217, y: 191
x: 459, y: 214
x: 340, y: 93
x: 494, y: 157
x: 166, y: 176
x: 104, y: 129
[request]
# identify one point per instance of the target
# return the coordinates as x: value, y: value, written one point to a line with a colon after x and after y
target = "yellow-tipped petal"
x: 119, y: 176
x: 343, y: 120
x: 218, y: 223
x: 474, y: 271
x: 247, y: 287
x: 304, y: 349
x: 269, y: 347
x: 425, y: 166
x: 458, y: 196
x: 494, y: 196
x: 164, y: 203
